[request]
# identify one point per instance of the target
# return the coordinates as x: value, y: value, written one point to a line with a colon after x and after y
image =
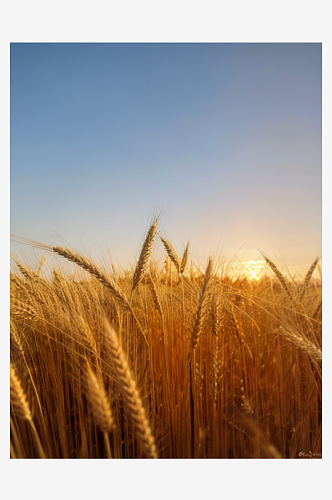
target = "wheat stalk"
x: 216, y: 364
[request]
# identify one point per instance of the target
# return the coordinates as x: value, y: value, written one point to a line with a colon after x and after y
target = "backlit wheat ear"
x: 171, y: 253
x: 280, y: 277
x: 127, y: 387
x: 92, y: 269
x: 308, y: 278
x: 144, y: 256
x: 201, y: 307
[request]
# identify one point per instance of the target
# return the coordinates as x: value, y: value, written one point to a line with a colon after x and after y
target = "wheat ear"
x: 155, y: 296
x: 18, y: 400
x: 127, y: 387
x: 302, y: 343
x: 215, y: 316
x: 144, y: 256
x: 318, y: 310
x: 184, y: 259
x: 27, y: 273
x: 42, y: 260
x: 280, y: 277
x: 171, y: 253
x: 308, y: 278
x: 92, y: 269
x: 20, y: 407
x: 98, y: 400
x: 99, y: 404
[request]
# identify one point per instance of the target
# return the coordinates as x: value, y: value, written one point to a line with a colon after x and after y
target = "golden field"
x: 163, y: 361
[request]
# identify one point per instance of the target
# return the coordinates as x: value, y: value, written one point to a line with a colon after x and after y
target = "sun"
x: 254, y: 268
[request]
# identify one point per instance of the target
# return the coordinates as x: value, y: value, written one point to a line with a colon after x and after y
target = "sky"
x: 224, y: 140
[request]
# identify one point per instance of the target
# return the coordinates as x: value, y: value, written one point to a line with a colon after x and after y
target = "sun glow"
x: 253, y: 273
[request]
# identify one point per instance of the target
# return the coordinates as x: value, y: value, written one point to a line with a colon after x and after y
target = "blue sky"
x: 224, y: 138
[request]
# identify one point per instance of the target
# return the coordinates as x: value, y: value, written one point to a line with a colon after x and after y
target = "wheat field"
x: 163, y: 361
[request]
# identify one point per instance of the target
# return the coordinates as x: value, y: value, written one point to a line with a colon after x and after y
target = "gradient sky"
x: 224, y: 138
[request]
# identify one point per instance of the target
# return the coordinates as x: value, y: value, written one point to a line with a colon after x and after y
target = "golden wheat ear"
x: 155, y: 296
x: 308, y: 278
x: 20, y: 407
x: 98, y: 400
x: 99, y: 404
x: 171, y: 253
x: 127, y: 387
x: 94, y: 271
x: 144, y: 256
x: 18, y: 401
x: 280, y: 277
x: 184, y: 260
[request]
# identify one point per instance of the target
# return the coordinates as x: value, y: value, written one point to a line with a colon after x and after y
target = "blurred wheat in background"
x: 164, y: 361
